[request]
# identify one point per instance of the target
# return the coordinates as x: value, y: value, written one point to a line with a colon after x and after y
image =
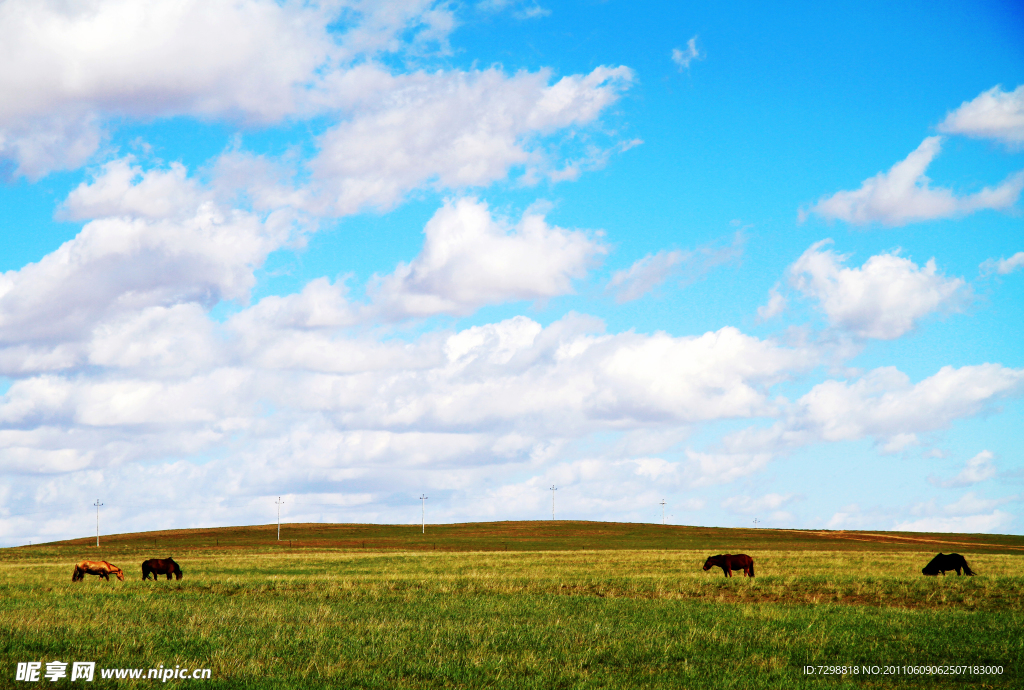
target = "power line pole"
x: 663, y: 511
x: 423, y: 512
x: 755, y: 522
x: 97, y: 504
x: 279, y: 502
x: 553, y: 490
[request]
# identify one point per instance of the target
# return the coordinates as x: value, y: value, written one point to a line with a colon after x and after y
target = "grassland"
x: 568, y: 605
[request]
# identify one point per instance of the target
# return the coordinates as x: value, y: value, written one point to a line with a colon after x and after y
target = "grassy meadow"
x: 518, y: 605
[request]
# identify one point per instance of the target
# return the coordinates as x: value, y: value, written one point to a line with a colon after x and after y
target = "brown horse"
x: 160, y: 566
x: 101, y: 568
x: 729, y: 562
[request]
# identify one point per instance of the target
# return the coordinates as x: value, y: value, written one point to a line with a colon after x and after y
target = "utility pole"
x: 553, y: 490
x: 755, y: 522
x: 97, y: 504
x: 279, y: 502
x: 663, y: 511
x: 423, y: 512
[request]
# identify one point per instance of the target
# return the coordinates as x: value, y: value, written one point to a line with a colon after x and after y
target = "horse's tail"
x: 74, y: 575
x: 751, y: 567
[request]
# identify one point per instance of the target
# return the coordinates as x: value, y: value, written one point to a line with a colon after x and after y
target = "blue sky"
x: 757, y: 263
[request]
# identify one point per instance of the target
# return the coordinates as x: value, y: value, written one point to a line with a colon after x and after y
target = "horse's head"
x: 708, y: 564
x: 118, y: 572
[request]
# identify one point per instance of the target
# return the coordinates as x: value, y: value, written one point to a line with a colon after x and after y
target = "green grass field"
x: 567, y: 605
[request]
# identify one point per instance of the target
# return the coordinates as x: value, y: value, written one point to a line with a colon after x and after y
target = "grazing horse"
x: 101, y: 568
x: 729, y: 562
x: 944, y: 562
x: 160, y: 566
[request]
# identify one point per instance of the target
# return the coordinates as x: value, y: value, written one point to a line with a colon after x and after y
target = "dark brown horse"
x: 729, y: 562
x: 947, y: 561
x: 160, y: 566
x: 101, y: 568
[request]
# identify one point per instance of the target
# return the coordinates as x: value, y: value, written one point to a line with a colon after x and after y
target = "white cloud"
x: 882, y: 299
x: 654, y: 269
x: 968, y: 504
x: 1003, y: 266
x: 885, y: 405
x: 996, y: 521
x: 748, y: 506
x: 978, y: 469
x: 966, y: 516
x: 252, y: 60
x: 66, y: 70
x: 776, y: 305
x: 539, y: 385
x: 854, y: 517
x: 519, y: 9
x: 995, y: 114
x: 453, y: 130
x: 158, y: 241
x: 709, y: 468
x: 589, y: 488
x: 904, y: 195
x: 469, y: 260
x: 882, y: 405
x: 644, y: 275
x: 684, y: 56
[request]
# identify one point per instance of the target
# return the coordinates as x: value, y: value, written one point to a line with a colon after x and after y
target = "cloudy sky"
x: 757, y: 264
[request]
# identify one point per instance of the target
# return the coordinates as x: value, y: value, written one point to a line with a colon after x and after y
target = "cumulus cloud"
x: 995, y: 114
x: 252, y: 60
x: 491, y: 381
x: 978, y: 469
x: 68, y: 69
x: 157, y: 240
x: 882, y: 299
x: 469, y: 259
x: 1003, y: 266
x: 905, y: 195
x: 885, y: 405
x: 882, y: 405
x: 684, y: 56
x: 452, y: 130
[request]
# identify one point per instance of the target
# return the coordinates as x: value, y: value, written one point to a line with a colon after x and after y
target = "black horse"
x: 160, y: 566
x: 944, y: 562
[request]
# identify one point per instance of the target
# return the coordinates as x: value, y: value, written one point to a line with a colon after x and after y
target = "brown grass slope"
x: 546, y: 535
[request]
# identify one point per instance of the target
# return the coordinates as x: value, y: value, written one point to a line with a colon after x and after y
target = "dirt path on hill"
x: 893, y: 539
